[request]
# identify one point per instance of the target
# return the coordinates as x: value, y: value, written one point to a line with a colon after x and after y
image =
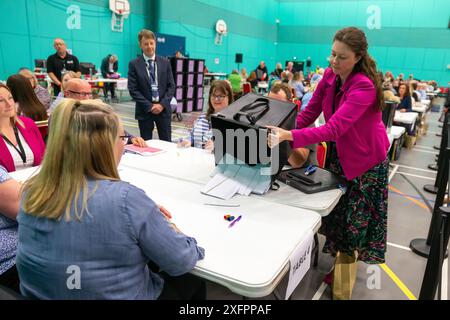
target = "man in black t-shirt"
x: 261, y: 71
x: 59, y: 63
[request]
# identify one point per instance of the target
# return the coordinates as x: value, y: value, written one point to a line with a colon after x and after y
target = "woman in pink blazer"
x: 21, y: 143
x: 351, y: 99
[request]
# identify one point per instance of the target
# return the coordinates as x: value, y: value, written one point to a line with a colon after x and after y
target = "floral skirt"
x: 359, y: 220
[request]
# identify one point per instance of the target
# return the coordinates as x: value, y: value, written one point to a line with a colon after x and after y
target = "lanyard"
x: 155, y: 67
x: 20, y: 151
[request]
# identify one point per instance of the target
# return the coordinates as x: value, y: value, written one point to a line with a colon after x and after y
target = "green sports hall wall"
x: 28, y: 27
x: 409, y: 36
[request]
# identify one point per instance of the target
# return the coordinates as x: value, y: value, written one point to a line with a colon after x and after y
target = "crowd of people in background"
x: 62, y: 66
x: 404, y: 91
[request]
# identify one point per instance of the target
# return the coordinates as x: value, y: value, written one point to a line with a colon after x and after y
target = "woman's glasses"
x: 125, y: 138
x: 219, y: 97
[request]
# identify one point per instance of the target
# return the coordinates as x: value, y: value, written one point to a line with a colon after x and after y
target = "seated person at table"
x: 244, y: 74
x: 413, y: 86
x: 277, y: 72
x: 80, y: 89
x: 220, y: 96
x: 66, y: 77
x: 297, y: 84
x: 28, y: 104
x: 261, y: 71
x: 78, y: 219
x: 252, y: 79
x: 388, y: 82
x: 21, y: 143
x: 290, y: 67
x: 286, y: 77
x: 301, y: 156
x: 9, y: 207
x: 41, y: 92
x: 315, y: 79
x: 235, y: 80
x: 405, y: 104
x: 275, y: 75
x: 388, y: 92
x: 421, y: 89
x: 109, y: 67
x: 389, y: 95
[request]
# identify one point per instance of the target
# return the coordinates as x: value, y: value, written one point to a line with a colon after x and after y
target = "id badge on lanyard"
x: 154, y: 87
x: 155, y: 93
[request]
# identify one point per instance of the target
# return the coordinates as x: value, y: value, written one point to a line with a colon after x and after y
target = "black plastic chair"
x: 389, y: 113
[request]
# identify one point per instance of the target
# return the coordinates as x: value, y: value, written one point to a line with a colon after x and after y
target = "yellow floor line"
x: 398, y: 282
x: 409, y: 198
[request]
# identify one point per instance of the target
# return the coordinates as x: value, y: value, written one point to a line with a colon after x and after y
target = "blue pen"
x: 204, y: 141
x: 342, y: 187
x: 234, y: 221
x: 313, y: 169
x: 310, y: 170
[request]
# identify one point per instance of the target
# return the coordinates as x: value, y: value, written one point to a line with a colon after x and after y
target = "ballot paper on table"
x: 233, y: 176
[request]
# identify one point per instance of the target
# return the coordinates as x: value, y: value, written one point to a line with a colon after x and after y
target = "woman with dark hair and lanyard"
x: 21, y: 146
x: 351, y: 98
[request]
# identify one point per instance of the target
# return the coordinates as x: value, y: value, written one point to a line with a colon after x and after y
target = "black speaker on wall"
x: 238, y: 58
x: 308, y: 63
x: 298, y: 66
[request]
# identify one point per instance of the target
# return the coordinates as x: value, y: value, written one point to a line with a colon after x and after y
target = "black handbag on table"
x: 320, y: 180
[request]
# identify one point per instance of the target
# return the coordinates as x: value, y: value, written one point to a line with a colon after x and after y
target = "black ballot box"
x: 240, y: 131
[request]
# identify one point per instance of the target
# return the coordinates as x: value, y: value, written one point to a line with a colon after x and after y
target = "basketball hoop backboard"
x: 121, y: 7
x: 120, y: 10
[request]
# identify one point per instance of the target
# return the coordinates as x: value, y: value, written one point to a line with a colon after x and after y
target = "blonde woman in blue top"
x: 76, y: 215
x: 220, y: 96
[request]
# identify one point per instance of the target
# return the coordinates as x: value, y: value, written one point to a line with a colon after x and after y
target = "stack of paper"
x: 232, y: 177
x: 147, y: 151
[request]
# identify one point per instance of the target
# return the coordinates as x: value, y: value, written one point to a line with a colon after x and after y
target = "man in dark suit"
x: 110, y: 65
x: 151, y: 85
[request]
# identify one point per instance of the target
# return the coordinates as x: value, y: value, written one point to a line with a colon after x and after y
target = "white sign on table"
x: 300, y: 263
